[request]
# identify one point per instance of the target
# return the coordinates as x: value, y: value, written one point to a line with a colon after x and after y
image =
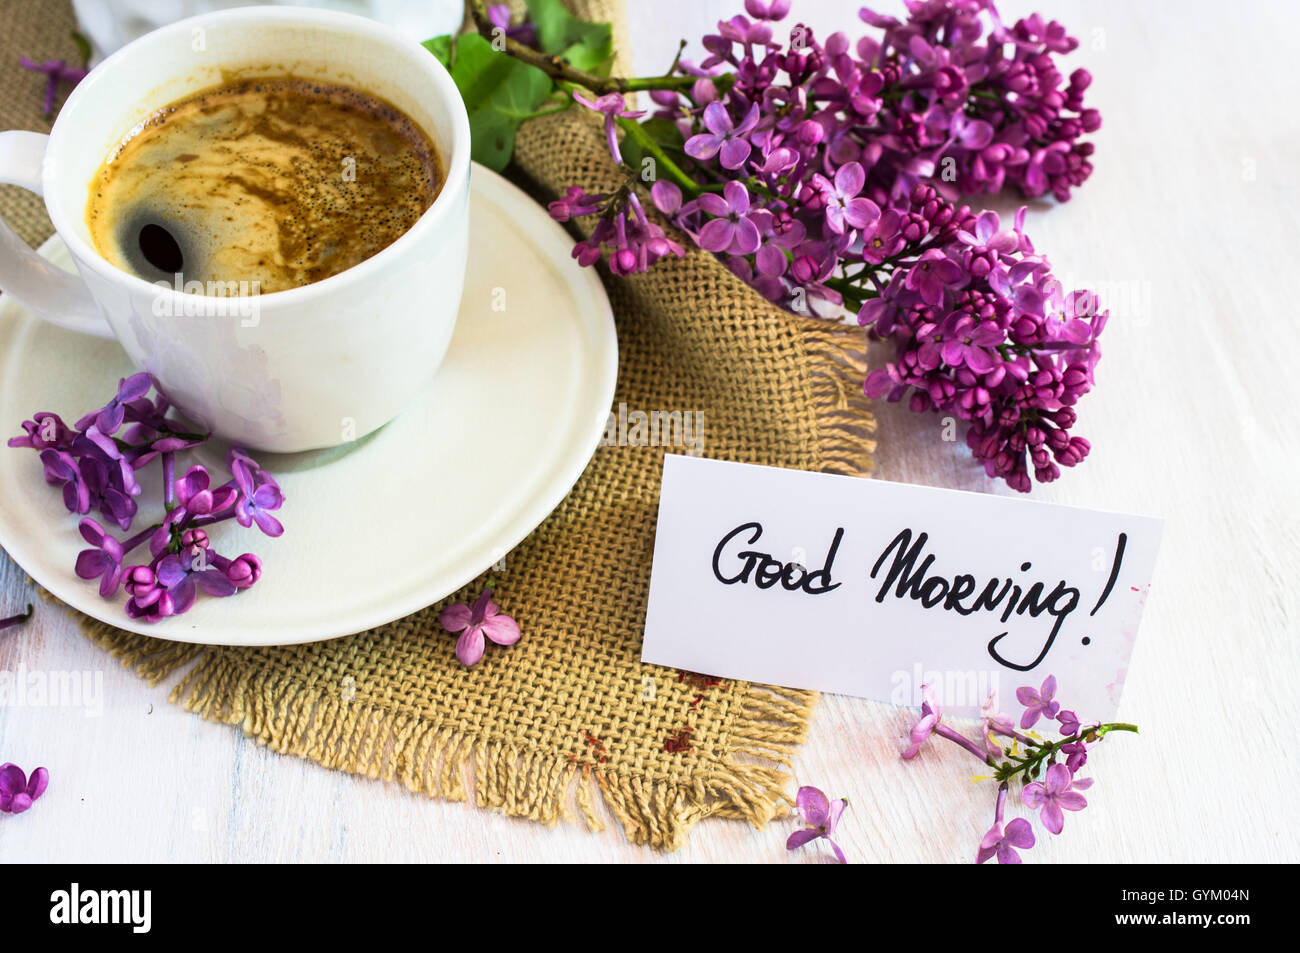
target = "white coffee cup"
x: 311, y: 367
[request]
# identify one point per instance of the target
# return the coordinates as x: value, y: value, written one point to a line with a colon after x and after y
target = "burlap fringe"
x: 390, y: 746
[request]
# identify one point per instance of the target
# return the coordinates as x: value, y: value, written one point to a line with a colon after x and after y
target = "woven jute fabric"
x: 569, y: 717
x: 41, y: 31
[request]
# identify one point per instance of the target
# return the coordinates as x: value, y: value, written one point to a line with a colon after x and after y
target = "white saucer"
x: 381, y: 528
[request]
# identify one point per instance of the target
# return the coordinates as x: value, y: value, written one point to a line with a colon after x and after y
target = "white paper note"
x: 869, y: 588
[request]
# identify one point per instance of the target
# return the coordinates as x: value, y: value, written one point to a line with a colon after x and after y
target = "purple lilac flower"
x: 476, y: 622
x: 109, y: 476
x: 150, y: 611
x: 737, y: 30
x: 17, y: 791
x: 988, y: 234
x: 109, y: 418
x: 242, y: 571
x: 183, y: 574
x: 1038, y: 704
x: 731, y: 229
x: 667, y: 196
x: 44, y: 432
x: 846, y: 211
x: 61, y: 470
x: 577, y: 203
x: 196, y: 497
x: 148, y: 599
x: 1001, y: 841
x: 780, y: 234
x: 931, y: 714
x: 767, y: 9
x: 993, y: 723
x: 103, y: 561
x: 932, y: 275
x: 724, y: 139
x: 151, y: 433
x: 258, y: 498
x: 820, y: 816
x: 1076, y: 753
x: 1068, y: 721
x: 612, y: 106
x: 967, y: 342
x: 1057, y: 792
x: 999, y: 120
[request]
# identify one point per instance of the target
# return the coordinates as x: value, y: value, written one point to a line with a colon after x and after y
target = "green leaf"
x: 492, y: 138
x: 522, y: 92
x: 586, y: 46
x: 597, y: 58
x: 632, y: 151
x: 665, y: 133
x: 83, y: 48
x: 441, y: 47
x: 499, y: 92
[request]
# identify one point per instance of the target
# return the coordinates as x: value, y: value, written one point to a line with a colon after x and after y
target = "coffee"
x: 268, y: 183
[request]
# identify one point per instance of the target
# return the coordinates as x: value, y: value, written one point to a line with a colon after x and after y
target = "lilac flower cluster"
x: 825, y: 135
x: 979, y: 109
x: 983, y: 331
x: 1047, y: 770
x: 95, y: 463
x: 623, y: 231
x: 825, y: 175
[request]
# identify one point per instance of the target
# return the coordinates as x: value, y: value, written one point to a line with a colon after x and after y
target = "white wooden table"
x: 1189, y: 226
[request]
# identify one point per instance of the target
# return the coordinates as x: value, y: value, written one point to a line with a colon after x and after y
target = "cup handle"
x: 41, y: 286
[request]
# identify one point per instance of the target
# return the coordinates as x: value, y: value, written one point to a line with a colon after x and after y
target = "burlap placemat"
x: 569, y: 714
x: 41, y: 31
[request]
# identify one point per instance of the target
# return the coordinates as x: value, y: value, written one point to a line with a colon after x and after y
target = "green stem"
x: 1027, y: 765
x: 125, y: 447
x: 646, y: 141
x: 672, y: 68
x: 850, y: 286
x: 753, y: 184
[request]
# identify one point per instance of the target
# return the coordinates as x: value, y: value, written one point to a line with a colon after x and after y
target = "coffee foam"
x: 275, y: 182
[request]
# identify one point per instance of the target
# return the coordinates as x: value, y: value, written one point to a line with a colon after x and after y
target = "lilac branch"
x: 558, y: 69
